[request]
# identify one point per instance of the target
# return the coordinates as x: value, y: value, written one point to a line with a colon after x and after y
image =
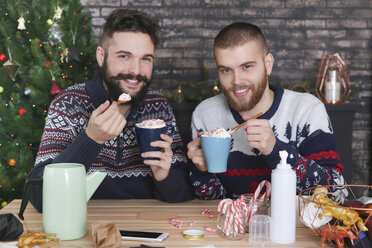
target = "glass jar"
x: 259, y: 206
x: 225, y: 226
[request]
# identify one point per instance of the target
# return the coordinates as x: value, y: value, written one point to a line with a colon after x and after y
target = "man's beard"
x: 114, y: 89
x: 242, y: 105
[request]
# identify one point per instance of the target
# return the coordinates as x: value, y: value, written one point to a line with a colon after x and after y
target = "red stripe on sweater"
x: 323, y: 154
x: 339, y: 168
x: 249, y: 172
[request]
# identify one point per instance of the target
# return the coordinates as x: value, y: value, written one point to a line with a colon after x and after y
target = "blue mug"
x: 147, y: 135
x: 216, y: 152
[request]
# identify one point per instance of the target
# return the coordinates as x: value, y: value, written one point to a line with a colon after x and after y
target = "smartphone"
x: 143, y: 236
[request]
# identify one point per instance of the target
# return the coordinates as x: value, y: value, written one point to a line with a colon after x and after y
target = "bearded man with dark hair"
x: 86, y: 125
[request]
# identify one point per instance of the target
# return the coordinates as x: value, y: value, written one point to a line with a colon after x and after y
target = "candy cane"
x: 258, y: 191
x: 255, y: 196
x: 235, y: 213
x: 228, y: 220
x: 240, y: 213
x: 244, y: 206
x: 224, y: 207
x: 207, y: 210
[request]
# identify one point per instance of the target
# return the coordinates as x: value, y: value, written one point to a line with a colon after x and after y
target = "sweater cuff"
x: 170, y: 181
x: 273, y: 159
x: 175, y: 187
x: 82, y: 150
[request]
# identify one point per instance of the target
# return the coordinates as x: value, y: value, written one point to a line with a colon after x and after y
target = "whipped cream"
x: 153, y: 123
x: 218, y: 133
x: 124, y: 98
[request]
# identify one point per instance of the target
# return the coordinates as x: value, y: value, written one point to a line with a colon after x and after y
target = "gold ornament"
x: 12, y: 68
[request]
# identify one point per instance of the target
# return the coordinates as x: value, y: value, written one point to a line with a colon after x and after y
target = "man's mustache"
x: 122, y: 76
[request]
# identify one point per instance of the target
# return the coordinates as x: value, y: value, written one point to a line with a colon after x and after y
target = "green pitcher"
x: 66, y: 190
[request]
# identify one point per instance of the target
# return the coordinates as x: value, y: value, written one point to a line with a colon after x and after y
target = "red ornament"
x: 55, y: 88
x: 48, y: 63
x: 2, y: 57
x: 21, y: 111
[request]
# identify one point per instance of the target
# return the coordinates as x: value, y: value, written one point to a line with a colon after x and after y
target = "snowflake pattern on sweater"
x: 302, y: 128
x: 65, y: 140
x: 69, y: 115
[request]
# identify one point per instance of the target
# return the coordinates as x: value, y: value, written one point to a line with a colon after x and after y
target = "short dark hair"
x: 129, y: 20
x: 237, y: 34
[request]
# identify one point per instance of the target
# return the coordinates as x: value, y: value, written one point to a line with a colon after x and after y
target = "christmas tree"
x: 45, y: 46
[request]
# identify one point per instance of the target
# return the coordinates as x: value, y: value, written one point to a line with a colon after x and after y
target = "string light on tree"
x: 216, y: 89
x: 179, y: 95
x: 21, y: 111
x: 12, y: 162
x: 27, y: 91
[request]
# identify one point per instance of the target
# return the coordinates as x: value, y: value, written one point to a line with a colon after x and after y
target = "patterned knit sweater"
x: 302, y: 128
x: 65, y: 140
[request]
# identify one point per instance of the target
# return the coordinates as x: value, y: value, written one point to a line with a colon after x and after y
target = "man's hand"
x: 105, y: 123
x: 195, y: 153
x: 260, y: 135
x: 160, y: 168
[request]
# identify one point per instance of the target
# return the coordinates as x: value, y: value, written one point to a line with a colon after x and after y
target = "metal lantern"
x: 333, y: 81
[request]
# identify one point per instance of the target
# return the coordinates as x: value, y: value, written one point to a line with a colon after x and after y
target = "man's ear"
x: 269, y: 63
x: 100, y: 55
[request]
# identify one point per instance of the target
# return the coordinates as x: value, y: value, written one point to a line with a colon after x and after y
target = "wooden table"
x: 154, y: 215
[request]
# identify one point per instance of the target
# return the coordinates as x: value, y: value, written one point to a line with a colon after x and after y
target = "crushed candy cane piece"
x: 218, y: 133
x: 210, y: 229
x: 176, y: 222
x: 207, y: 210
x: 192, y: 223
x: 153, y: 123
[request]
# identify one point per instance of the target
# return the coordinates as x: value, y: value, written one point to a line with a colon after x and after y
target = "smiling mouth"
x: 132, y: 82
x: 241, y: 92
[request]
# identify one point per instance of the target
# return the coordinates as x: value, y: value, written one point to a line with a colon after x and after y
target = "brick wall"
x: 298, y: 32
